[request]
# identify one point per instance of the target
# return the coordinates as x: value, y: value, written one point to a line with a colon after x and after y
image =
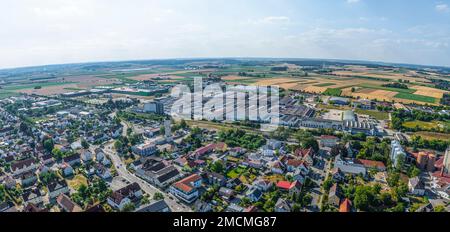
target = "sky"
x: 38, y: 32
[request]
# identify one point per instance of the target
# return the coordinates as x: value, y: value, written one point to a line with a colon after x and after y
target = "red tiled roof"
x: 328, y: 137
x: 185, y: 184
x: 288, y: 185
x: 209, y: 148
x: 371, y: 163
x: 345, y: 206
x: 439, y: 163
x: 284, y: 184
x: 442, y: 177
x: 294, y: 162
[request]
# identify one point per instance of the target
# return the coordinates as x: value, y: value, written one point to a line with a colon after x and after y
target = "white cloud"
x: 442, y: 8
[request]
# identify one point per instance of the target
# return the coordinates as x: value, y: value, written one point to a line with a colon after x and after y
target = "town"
x: 118, y: 149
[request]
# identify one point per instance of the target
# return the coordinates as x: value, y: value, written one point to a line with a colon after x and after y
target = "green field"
x: 31, y: 86
x: 325, y: 85
x: 433, y: 135
x: 398, y: 90
x: 376, y: 114
x: 415, y: 97
x: 7, y: 94
x: 333, y: 92
x: 74, y: 89
x: 426, y: 125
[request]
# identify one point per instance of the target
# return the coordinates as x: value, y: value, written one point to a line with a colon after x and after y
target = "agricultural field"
x: 436, y: 125
x: 333, y: 92
x: 418, y: 98
x: 357, y: 81
x: 325, y: 84
x: 373, y: 113
x: 7, y: 94
x: 433, y: 135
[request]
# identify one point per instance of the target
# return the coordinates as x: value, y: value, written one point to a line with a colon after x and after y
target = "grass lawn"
x: 274, y: 178
x: 235, y: 172
x: 410, y: 96
x: 333, y: 92
x: 376, y: 114
x: 433, y: 135
x: 424, y: 125
x: 76, y: 181
x: 324, y: 84
x: 248, y: 180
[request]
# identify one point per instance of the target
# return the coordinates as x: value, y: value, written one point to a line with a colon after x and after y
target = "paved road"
x: 146, y: 187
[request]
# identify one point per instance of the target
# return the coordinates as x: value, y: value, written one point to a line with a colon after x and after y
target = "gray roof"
x: 158, y: 206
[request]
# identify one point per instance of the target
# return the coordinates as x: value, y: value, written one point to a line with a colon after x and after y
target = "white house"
x: 416, y: 186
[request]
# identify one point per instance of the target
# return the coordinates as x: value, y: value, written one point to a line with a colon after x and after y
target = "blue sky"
x: 65, y: 31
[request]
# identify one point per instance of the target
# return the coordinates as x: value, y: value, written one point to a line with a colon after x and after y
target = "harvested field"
x: 276, y: 81
x: 315, y: 89
x: 147, y: 77
x: 88, y: 82
x: 50, y: 90
x: 429, y: 92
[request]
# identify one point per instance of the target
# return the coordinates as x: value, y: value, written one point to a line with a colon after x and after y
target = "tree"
x: 158, y: 196
x: 327, y: 184
x: 118, y: 145
x: 57, y: 153
x: 307, y: 140
x: 439, y: 209
x: 217, y: 166
x: 48, y: 145
x: 130, y: 207
x: 84, y: 144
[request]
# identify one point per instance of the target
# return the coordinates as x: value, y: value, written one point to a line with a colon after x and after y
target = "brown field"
x: 147, y: 77
x: 315, y: 89
x: 276, y: 81
x: 382, y: 74
x: 88, y: 82
x: 427, y: 91
x: 49, y: 90
x: 382, y: 95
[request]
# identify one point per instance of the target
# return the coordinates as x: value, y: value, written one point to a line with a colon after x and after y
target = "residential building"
x: 397, y: 152
x: 334, y: 196
x: 22, y: 166
x: 126, y: 195
x: 67, y: 205
x: 328, y: 140
x: 146, y: 149
x: 56, y: 188
x: 416, y: 186
x: 186, y: 189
